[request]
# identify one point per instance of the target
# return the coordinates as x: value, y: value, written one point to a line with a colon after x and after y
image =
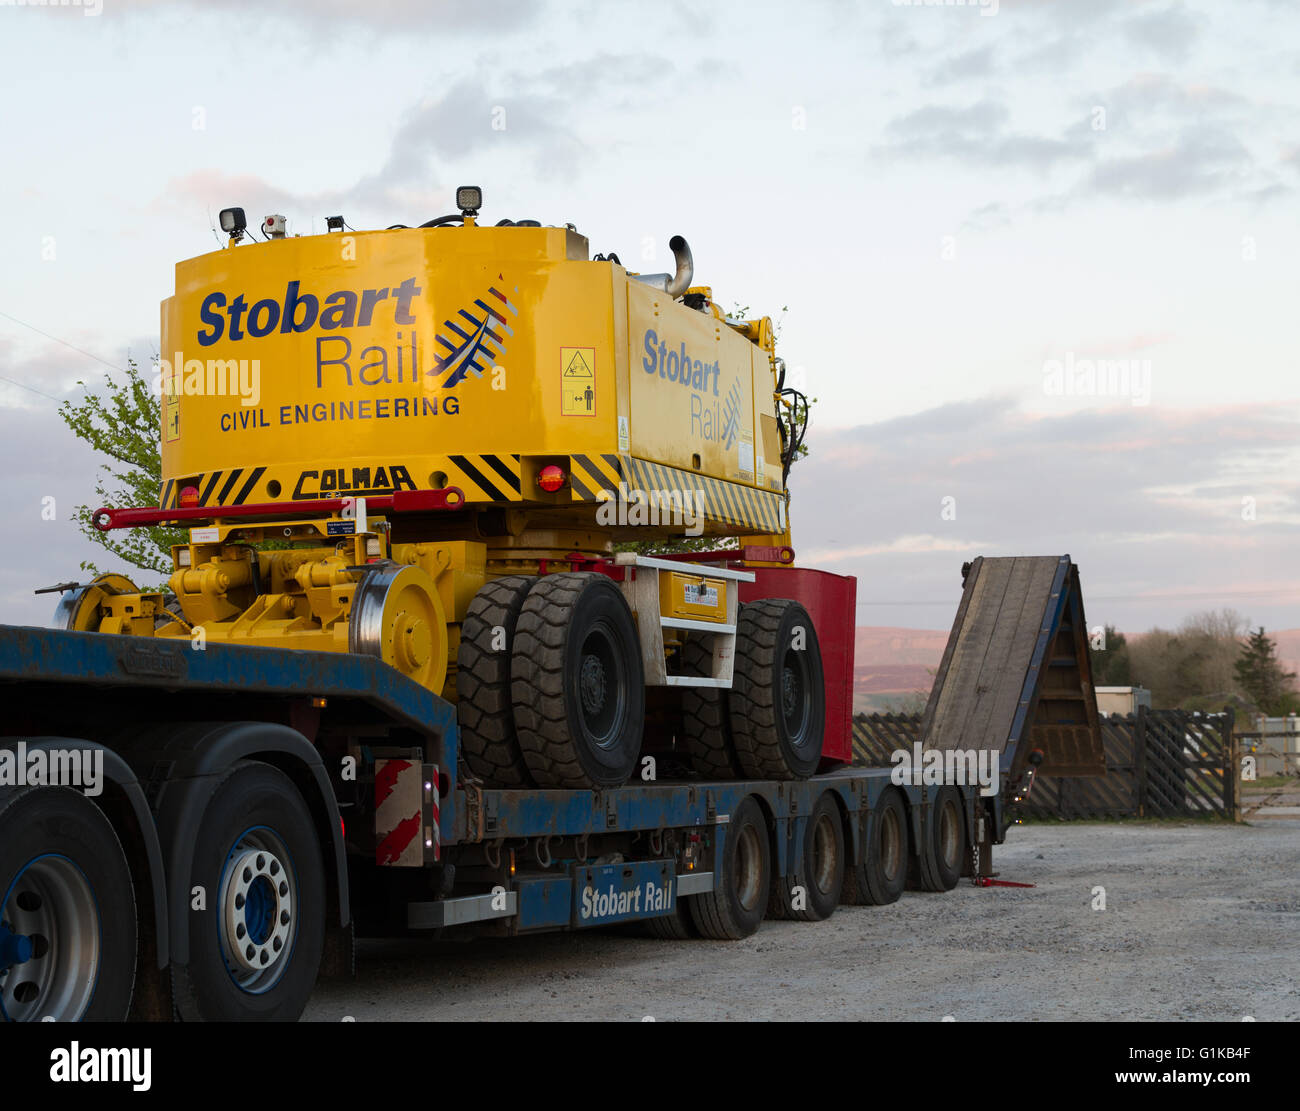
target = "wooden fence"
x: 1159, y: 764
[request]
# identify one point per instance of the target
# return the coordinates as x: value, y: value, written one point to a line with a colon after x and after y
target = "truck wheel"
x: 675, y: 926
x: 67, y: 911
x: 778, y: 697
x: 938, y: 864
x: 483, y: 707
x: 577, y: 682
x: 880, y: 872
x: 949, y: 838
x: 820, y: 870
x: 255, y: 951
x: 734, y: 908
x: 706, y: 722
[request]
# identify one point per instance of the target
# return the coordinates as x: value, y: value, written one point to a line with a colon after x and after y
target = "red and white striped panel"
x: 399, y: 788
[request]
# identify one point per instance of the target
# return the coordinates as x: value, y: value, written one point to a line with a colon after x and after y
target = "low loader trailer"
x: 430, y: 656
x: 255, y: 810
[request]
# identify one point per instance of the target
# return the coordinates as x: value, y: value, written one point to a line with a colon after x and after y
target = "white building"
x: 1278, y: 750
x: 1121, y: 700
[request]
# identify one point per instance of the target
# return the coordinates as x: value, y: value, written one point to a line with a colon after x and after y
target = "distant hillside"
x: 884, y: 644
x: 1288, y: 647
x: 894, y: 665
x: 891, y: 664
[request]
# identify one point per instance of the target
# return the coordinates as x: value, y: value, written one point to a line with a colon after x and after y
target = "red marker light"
x: 551, y: 478
x: 189, y: 497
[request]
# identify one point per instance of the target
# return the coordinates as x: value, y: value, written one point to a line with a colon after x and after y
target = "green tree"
x: 123, y: 422
x: 1262, y: 676
x: 1110, y: 664
x: 1192, y: 666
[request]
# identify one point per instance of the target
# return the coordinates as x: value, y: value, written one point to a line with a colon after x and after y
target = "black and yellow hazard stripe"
x: 727, y: 503
x: 485, y: 477
x: 215, y: 488
x: 590, y: 474
x: 497, y: 478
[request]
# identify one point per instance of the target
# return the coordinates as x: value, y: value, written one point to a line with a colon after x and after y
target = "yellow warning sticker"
x: 172, y: 417
x: 578, y: 381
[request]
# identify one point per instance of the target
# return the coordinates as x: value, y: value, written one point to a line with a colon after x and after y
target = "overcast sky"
x: 958, y: 208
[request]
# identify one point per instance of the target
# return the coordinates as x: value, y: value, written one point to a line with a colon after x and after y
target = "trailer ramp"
x: 1015, y: 676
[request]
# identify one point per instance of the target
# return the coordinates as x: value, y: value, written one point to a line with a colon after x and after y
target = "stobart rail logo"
x: 467, y: 351
x: 469, y: 342
x: 713, y: 417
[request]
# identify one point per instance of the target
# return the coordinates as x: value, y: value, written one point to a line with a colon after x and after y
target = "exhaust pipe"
x: 674, y: 284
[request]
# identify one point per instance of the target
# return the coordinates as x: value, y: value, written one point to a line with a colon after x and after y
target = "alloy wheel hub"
x: 257, y: 908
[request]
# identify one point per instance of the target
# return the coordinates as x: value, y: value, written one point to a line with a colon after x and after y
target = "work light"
x: 469, y: 199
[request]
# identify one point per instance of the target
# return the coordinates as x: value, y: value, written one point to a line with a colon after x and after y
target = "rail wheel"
x: 577, y: 682
x: 397, y: 616
x: 778, y: 696
x: 79, y: 609
x: 734, y: 908
x: 67, y: 910
x: 483, y: 705
x: 879, y: 874
x: 255, y: 953
x: 819, y: 872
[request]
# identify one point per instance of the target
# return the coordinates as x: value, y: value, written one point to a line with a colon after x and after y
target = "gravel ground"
x: 1200, y: 923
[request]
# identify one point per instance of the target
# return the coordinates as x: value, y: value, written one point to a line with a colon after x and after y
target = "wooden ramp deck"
x: 1015, y: 676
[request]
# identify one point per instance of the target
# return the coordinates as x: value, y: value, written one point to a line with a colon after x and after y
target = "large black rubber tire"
x: 819, y: 871
x: 706, y: 741
x: 44, y: 828
x: 677, y: 926
x: 577, y: 682
x: 734, y: 908
x: 950, y: 846
x: 879, y: 874
x: 937, y: 865
x: 483, y: 700
x: 778, y: 695
x: 171, y: 608
x: 252, y: 798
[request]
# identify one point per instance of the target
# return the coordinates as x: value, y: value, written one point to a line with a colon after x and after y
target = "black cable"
x: 792, y: 438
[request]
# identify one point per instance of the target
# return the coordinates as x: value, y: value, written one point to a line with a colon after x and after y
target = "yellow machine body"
x: 466, y: 356
x: 462, y: 358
